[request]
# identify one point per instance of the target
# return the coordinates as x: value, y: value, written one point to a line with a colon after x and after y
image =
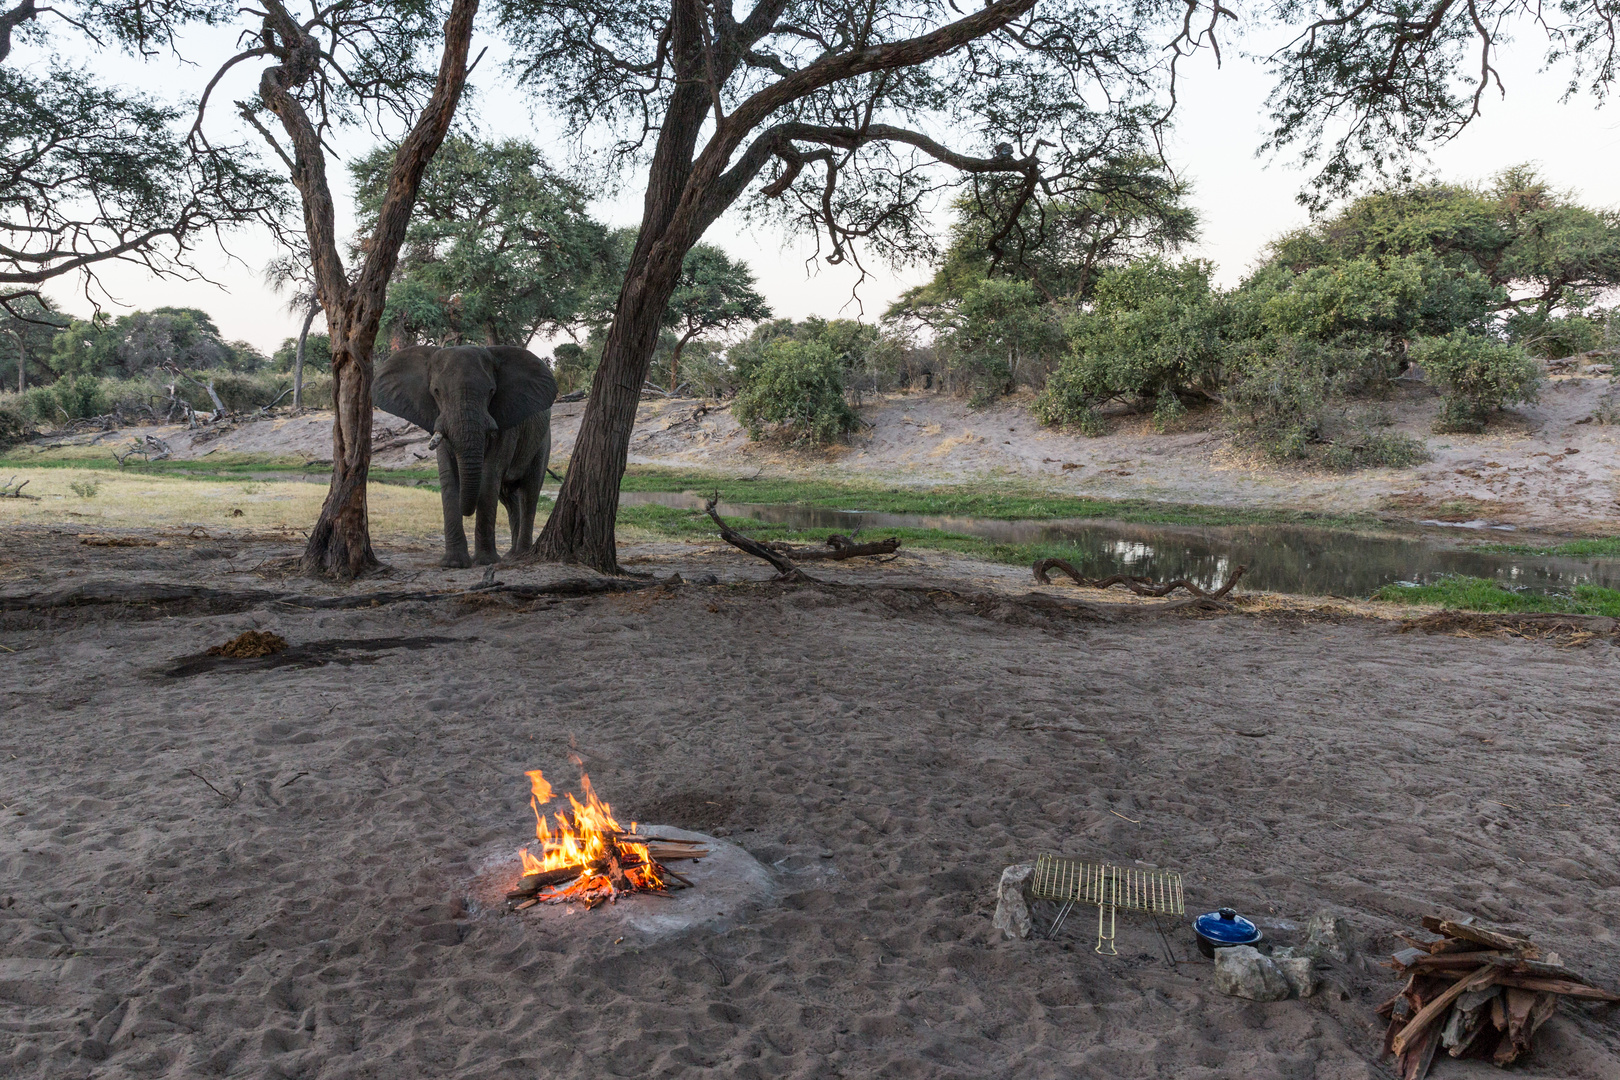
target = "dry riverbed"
x: 266, y: 871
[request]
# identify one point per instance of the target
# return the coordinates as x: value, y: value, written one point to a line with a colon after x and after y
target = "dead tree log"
x: 1141, y: 586
x: 785, y: 570
x: 839, y: 547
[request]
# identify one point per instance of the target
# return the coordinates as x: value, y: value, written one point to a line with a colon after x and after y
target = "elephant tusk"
x: 433, y: 443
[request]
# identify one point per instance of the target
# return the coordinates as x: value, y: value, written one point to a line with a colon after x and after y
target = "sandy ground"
x: 1538, y: 467
x: 884, y: 744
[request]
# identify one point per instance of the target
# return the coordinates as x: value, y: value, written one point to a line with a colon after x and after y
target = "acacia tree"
x: 500, y: 247
x: 346, y: 61
x: 93, y: 174
x: 715, y: 293
x: 824, y: 111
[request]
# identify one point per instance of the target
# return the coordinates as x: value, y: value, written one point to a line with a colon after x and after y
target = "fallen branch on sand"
x: 838, y: 547
x: 13, y: 490
x: 785, y: 570
x: 1476, y: 991
x: 1141, y: 586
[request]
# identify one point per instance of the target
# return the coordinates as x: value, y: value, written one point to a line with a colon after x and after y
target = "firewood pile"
x: 624, y: 863
x: 1475, y: 992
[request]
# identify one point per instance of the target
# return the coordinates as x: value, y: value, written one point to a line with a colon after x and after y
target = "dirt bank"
x: 264, y: 872
x: 1537, y: 468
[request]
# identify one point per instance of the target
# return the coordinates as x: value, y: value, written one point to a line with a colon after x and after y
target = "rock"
x: 1300, y: 971
x: 1329, y: 933
x: 1012, y: 901
x: 1241, y: 971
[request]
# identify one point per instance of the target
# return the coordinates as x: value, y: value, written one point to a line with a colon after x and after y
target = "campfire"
x: 582, y: 855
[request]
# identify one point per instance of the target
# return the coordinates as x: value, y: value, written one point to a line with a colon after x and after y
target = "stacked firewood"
x: 1476, y: 992
x: 629, y: 863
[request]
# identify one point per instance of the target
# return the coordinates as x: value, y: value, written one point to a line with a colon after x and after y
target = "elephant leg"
x: 489, y: 497
x: 532, y: 482
x: 512, y: 499
x: 455, y: 536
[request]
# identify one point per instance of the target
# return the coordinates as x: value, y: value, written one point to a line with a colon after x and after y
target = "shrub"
x: 85, y: 489
x: 1155, y: 330
x: 14, y: 420
x: 1477, y: 376
x: 797, y: 387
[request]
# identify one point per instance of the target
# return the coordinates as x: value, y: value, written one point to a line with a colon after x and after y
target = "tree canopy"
x: 95, y: 173
x: 499, y: 248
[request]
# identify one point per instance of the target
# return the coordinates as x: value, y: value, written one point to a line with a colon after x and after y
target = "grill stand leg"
x: 1057, y: 923
x: 1108, y: 938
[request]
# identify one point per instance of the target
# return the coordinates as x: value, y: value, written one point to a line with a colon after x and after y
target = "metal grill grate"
x: 1070, y: 882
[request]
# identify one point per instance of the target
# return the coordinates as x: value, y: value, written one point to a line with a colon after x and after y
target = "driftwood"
x: 1474, y: 1001
x: 785, y: 570
x: 13, y: 490
x: 1141, y: 586
x: 839, y: 547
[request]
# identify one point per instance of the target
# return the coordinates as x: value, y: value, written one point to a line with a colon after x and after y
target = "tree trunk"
x: 298, y: 357
x: 580, y: 528
x: 22, y: 364
x: 675, y: 365
x: 340, y: 542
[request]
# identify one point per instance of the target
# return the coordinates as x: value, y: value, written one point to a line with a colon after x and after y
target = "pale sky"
x: 1243, y: 201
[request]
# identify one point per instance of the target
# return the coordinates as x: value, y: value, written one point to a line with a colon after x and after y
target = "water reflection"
x: 1282, y: 558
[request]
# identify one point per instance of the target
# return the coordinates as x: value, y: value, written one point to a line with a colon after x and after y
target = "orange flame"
x: 586, y: 836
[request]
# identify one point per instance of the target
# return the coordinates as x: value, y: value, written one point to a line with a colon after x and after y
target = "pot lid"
x: 1227, y: 927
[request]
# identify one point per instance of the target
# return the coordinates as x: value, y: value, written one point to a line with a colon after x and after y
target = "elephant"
x: 490, y: 410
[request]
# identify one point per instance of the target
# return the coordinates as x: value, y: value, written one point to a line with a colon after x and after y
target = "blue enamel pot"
x: 1224, y: 928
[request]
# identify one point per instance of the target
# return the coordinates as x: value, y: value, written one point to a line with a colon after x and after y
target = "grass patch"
x: 997, y: 500
x: 137, y: 501
x: 220, y: 466
x: 1602, y: 547
x: 1481, y: 594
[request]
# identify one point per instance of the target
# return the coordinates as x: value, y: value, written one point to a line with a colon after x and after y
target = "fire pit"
x: 584, y: 856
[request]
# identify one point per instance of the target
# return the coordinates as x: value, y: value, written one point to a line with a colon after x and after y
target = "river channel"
x: 1281, y: 558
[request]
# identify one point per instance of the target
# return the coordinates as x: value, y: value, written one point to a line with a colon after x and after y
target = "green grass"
x: 996, y: 500
x: 1481, y: 594
x: 1603, y: 547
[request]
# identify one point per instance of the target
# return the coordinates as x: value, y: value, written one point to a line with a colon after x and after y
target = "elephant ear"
x: 399, y: 385
x: 524, y: 386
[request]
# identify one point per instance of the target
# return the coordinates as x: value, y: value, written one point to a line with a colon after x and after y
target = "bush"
x: 85, y: 489
x: 1154, y: 331
x: 1477, y: 376
x: 797, y: 387
x: 14, y: 420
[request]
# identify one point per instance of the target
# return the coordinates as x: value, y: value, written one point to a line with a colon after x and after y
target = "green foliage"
x: 797, y: 388
x: 85, y: 489
x: 317, y: 354
x: 15, y: 425
x: 1482, y: 594
x: 1477, y: 376
x: 852, y: 343
x: 500, y: 247
x: 998, y: 300
x: 29, y: 324
x: 148, y: 340
x: 1153, y: 334
x: 574, y: 366
x: 95, y: 173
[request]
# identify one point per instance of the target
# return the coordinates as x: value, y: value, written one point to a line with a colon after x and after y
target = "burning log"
x: 1501, y: 989
x: 586, y: 857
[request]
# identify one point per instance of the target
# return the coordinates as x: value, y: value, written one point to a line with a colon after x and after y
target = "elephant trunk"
x: 469, y: 430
